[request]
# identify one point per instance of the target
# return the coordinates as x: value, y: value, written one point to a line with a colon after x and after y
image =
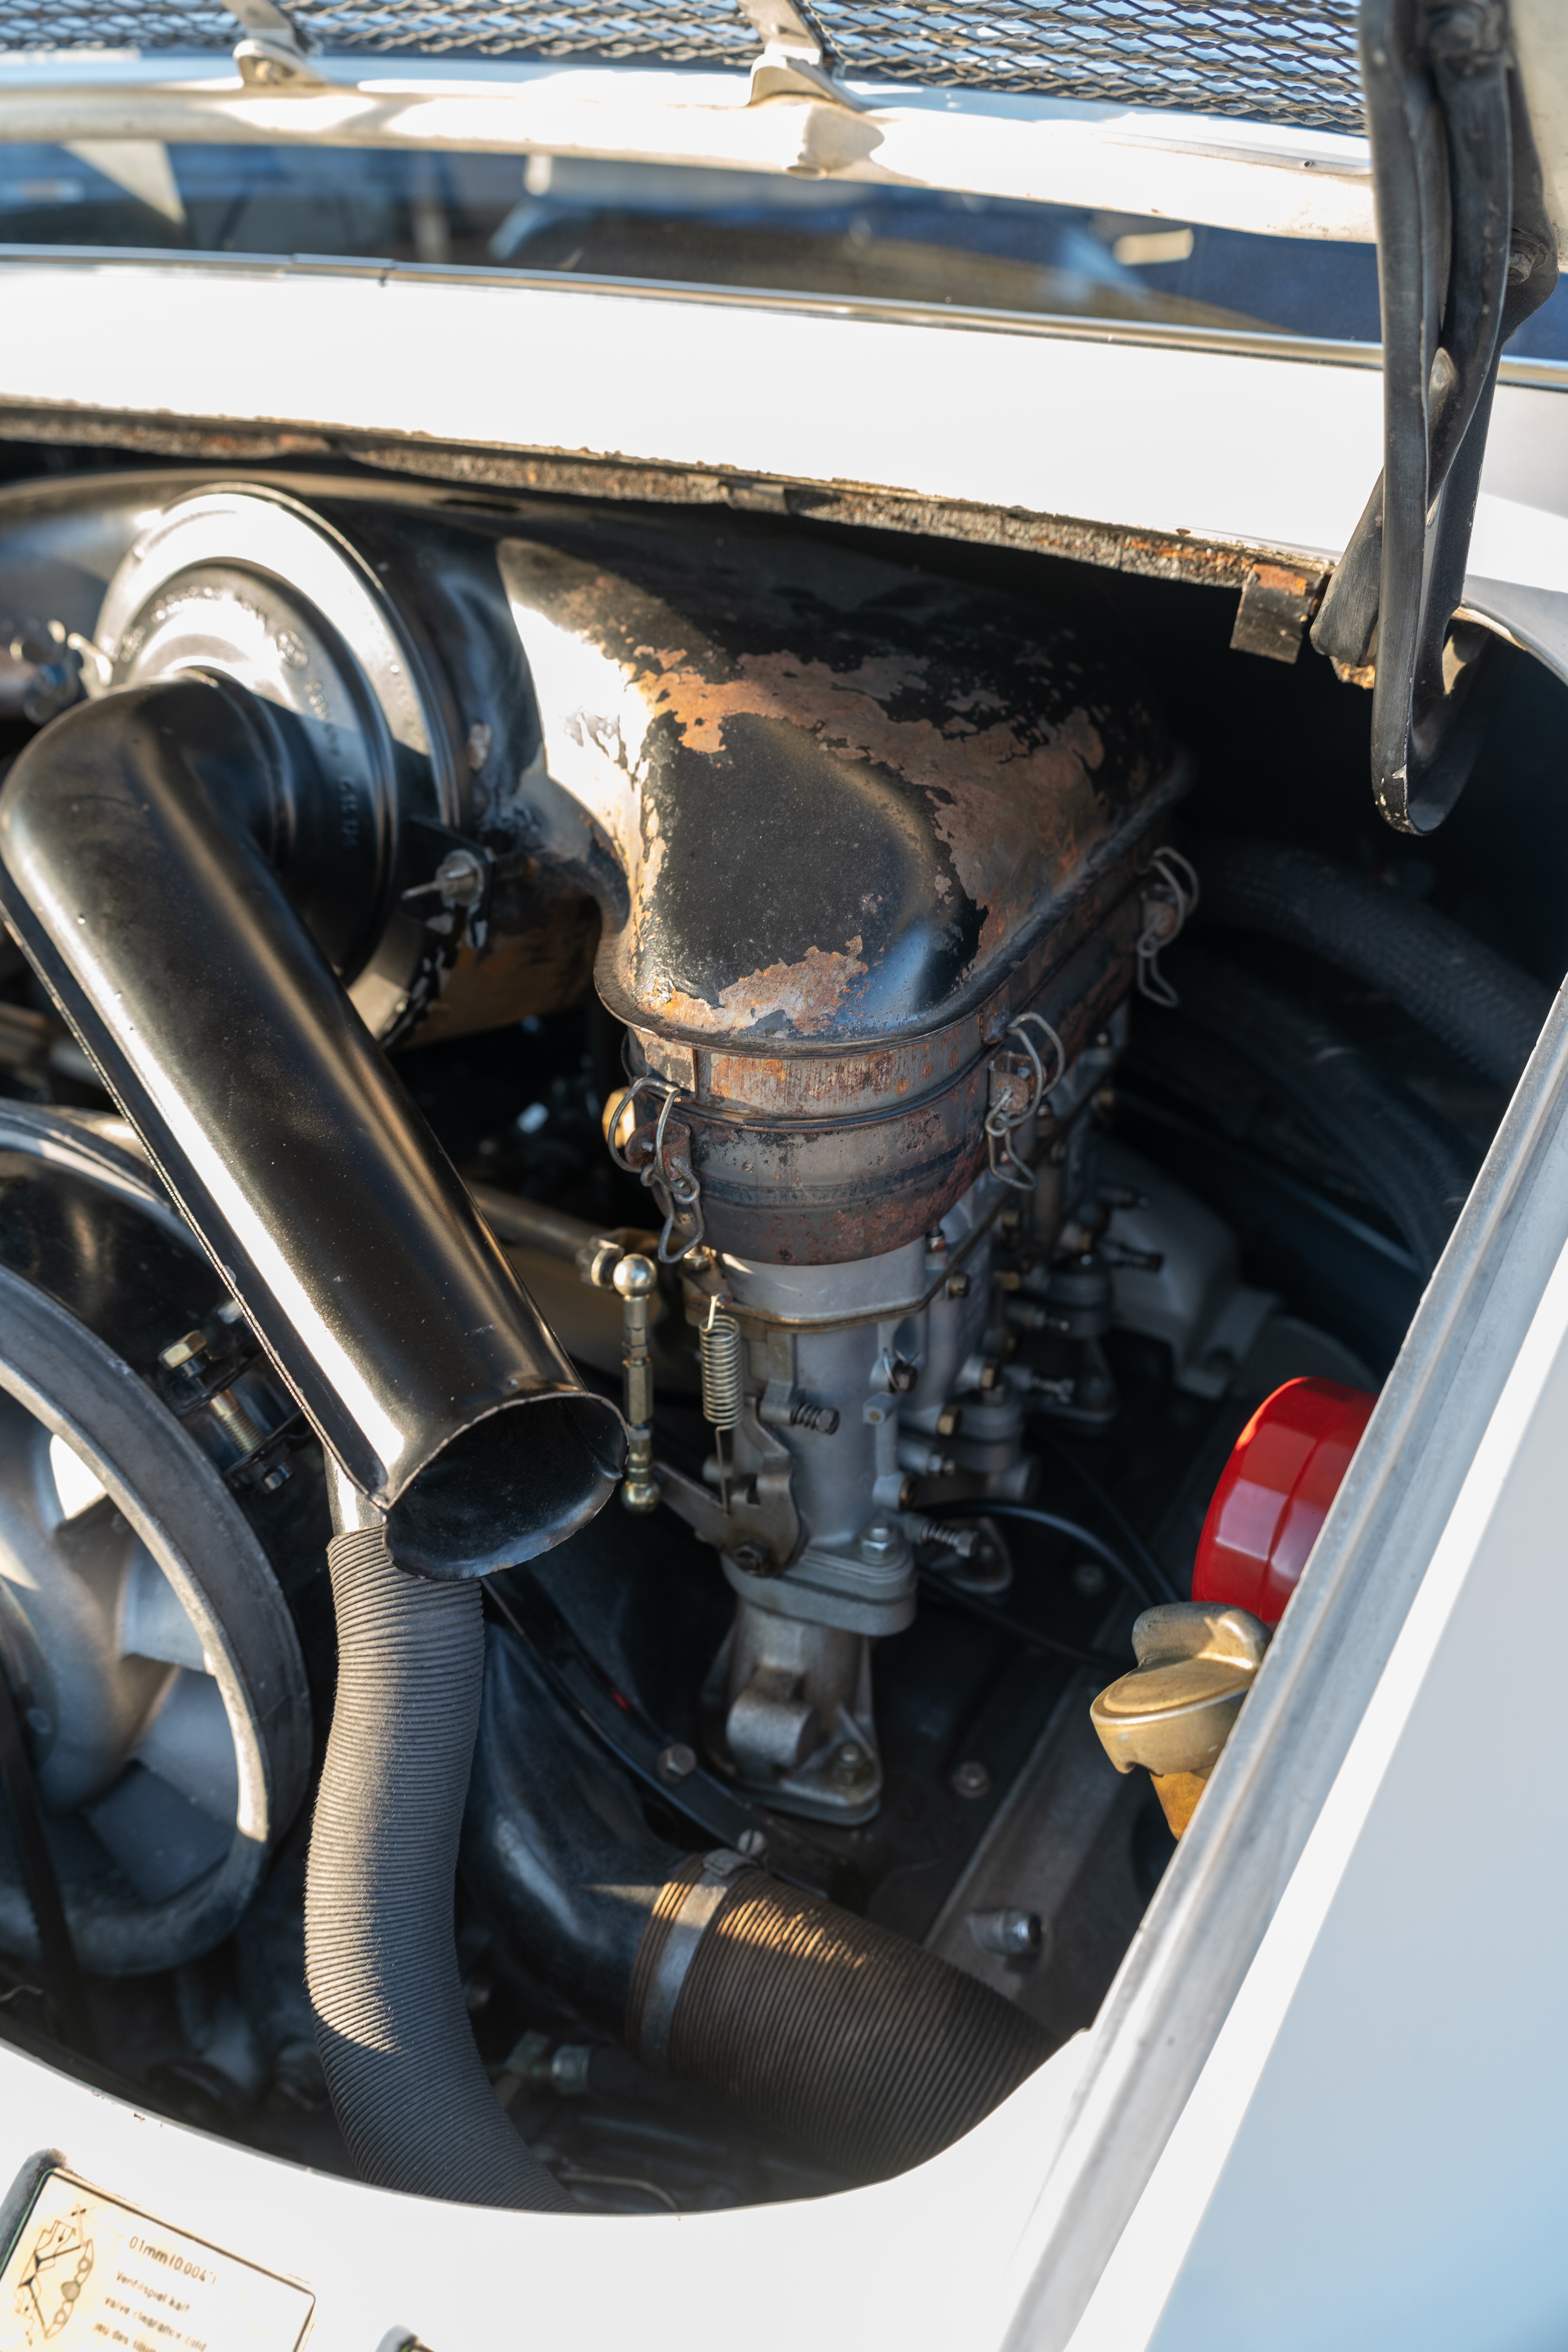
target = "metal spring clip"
x: 675, y: 1188
x: 1170, y: 901
x: 1015, y: 1095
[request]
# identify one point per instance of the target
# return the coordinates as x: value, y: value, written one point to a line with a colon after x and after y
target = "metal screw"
x: 901, y: 1377
x: 971, y: 1778
x: 277, y: 1476
x: 235, y: 1422
x: 676, y: 1762
x: 850, y: 1764
x: 958, y: 1286
x: 461, y: 878
x: 822, y: 1418
x: 950, y: 1421
x: 753, y: 1845
x: 753, y: 1557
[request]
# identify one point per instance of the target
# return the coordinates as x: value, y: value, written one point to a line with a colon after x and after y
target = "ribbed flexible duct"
x: 407, y: 2085
x: 872, y: 2053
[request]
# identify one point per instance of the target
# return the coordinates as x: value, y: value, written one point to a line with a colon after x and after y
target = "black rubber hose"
x: 555, y: 1845
x: 407, y: 2085
x: 1414, y: 1167
x: 871, y: 2052
x: 1477, y: 1003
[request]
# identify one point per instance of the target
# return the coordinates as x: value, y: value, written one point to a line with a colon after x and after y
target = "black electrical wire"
x: 1147, y: 1588
x: 1001, y: 1621
x: 1103, y: 1501
x: 63, y: 1987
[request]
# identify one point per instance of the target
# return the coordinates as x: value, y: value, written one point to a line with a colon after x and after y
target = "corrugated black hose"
x: 1411, y: 1163
x: 1479, y: 1004
x: 871, y: 2052
x: 407, y: 2085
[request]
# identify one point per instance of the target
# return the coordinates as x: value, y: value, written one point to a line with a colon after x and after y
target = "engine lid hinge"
x: 797, y: 60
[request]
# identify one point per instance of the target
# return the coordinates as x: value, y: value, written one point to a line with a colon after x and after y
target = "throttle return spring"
x: 722, y: 1378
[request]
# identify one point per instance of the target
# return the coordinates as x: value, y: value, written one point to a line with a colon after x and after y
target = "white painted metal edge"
x: 1237, y: 445
x: 1269, y: 179
x: 1234, y: 1919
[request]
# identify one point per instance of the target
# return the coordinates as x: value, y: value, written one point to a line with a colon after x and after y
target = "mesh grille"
x: 1269, y: 60
x: 1277, y: 60
x: 43, y: 24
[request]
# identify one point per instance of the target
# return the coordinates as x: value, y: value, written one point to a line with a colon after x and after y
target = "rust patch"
x: 1014, y: 813
x: 808, y: 993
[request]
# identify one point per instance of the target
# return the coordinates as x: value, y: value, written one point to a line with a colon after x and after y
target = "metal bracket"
x: 796, y: 60
x: 271, y: 56
x: 1278, y: 601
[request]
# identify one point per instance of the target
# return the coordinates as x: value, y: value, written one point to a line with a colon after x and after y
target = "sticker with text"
x: 88, y: 2272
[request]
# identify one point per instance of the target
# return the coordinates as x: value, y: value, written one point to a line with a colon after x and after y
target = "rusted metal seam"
x: 1113, y: 547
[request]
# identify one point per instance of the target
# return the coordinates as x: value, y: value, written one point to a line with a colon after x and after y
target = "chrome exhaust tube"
x: 136, y: 834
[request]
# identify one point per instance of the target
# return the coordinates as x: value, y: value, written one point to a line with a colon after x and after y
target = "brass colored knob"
x: 1174, y: 1713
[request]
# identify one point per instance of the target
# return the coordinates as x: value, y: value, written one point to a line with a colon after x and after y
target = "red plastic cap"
x: 1274, y: 1495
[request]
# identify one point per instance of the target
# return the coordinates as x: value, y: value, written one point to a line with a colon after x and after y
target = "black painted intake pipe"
x: 870, y: 2052
x: 1477, y: 1003
x: 134, y: 834
x: 407, y: 2085
x: 1410, y: 1161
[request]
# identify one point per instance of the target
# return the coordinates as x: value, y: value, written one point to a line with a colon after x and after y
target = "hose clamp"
x: 683, y: 1931
x: 1017, y: 1094
x: 1170, y: 901
x: 665, y: 1167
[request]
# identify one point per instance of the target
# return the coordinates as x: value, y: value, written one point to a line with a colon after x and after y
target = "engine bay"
x: 651, y: 1160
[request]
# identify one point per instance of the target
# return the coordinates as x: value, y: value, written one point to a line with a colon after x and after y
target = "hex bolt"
x: 971, y: 1778
x: 676, y: 1762
x: 950, y: 1421
x: 850, y: 1764
x: 879, y: 1541
x: 569, y: 2069
x: 277, y: 1476
x: 181, y: 1353
x: 753, y: 1557
x: 1008, y: 1935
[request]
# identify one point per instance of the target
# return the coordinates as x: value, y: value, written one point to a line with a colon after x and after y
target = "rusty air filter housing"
x: 866, y: 817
